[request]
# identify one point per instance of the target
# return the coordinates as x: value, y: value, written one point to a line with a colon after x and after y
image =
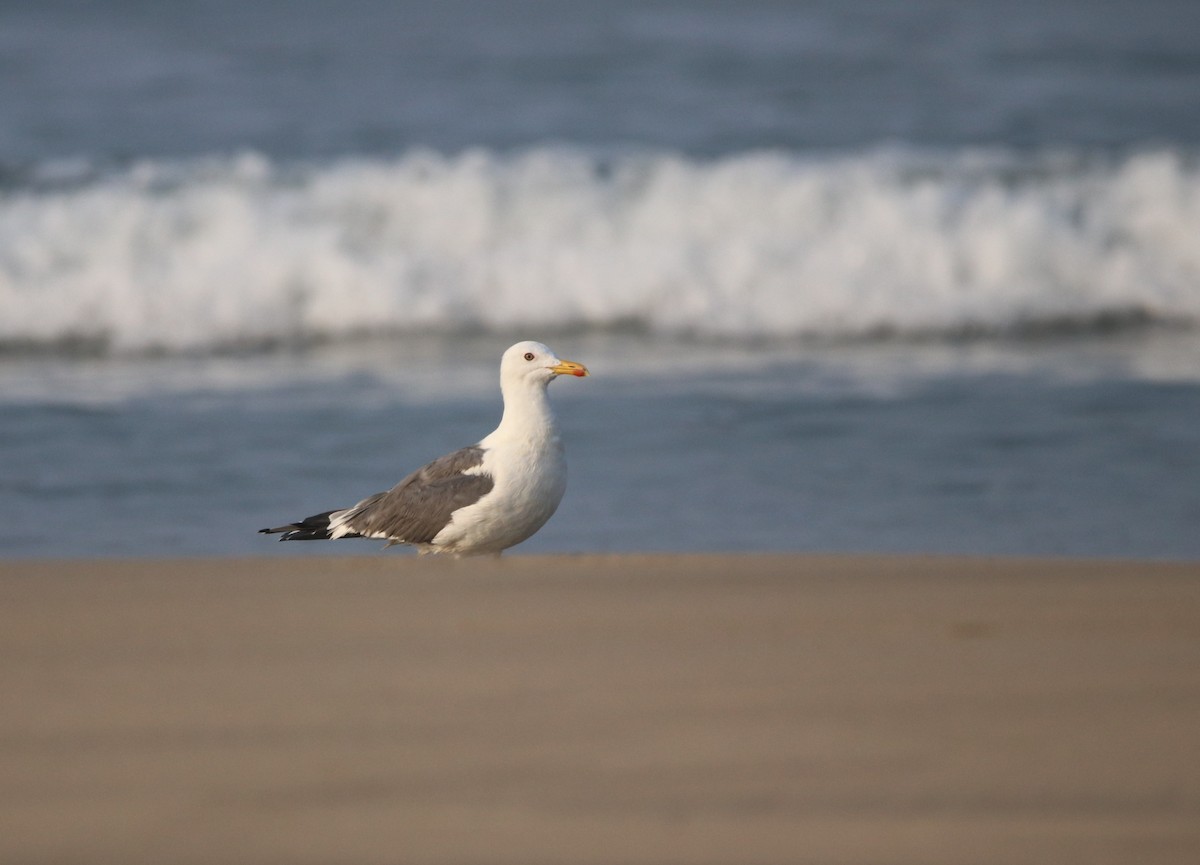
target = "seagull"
x: 481, y: 499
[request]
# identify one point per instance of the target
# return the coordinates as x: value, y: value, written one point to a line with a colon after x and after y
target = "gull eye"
x: 529, y: 355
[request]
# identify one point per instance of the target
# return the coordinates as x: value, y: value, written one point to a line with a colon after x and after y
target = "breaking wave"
x: 206, y: 254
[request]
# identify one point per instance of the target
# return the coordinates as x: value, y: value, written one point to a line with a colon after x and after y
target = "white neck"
x: 527, y: 412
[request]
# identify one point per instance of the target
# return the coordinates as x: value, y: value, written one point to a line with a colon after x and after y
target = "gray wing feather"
x: 420, y: 506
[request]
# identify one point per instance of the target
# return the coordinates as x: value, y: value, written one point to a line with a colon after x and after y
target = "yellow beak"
x: 569, y: 367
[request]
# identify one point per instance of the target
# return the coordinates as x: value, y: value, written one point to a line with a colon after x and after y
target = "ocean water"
x: 849, y: 276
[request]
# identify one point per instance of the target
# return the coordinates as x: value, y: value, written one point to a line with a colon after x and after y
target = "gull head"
x: 533, y: 363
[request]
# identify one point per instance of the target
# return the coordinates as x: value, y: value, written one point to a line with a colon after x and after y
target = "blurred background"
x: 850, y: 276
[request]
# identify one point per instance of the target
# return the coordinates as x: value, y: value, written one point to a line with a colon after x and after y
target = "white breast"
x: 530, y: 479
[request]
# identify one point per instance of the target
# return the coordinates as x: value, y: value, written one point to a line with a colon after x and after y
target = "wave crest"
x: 184, y: 256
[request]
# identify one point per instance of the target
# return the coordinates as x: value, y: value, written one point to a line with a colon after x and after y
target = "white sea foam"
x: 183, y: 256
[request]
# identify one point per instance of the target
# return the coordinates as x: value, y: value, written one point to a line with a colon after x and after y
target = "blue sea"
x: 849, y: 276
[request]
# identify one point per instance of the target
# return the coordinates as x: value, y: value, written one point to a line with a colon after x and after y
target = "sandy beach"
x: 657, y: 709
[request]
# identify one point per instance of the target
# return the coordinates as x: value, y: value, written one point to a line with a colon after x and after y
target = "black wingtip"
x: 314, y: 528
